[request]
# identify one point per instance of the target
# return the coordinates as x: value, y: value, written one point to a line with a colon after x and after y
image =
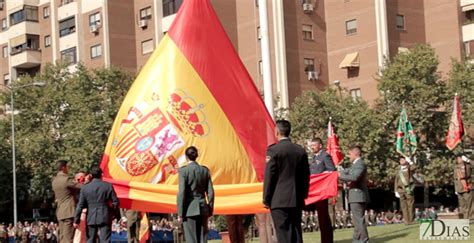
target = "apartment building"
x: 313, y: 43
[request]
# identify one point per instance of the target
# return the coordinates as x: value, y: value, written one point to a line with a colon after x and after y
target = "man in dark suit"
x: 195, y: 198
x: 100, y: 200
x: 65, y: 189
x: 356, y: 177
x: 286, y: 184
x: 320, y: 163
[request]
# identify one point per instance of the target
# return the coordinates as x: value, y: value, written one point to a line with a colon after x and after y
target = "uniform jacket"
x: 286, y: 182
x: 356, y: 176
x: 462, y: 175
x: 321, y: 162
x: 65, y: 190
x: 196, y: 192
x: 100, y: 199
x: 399, y: 185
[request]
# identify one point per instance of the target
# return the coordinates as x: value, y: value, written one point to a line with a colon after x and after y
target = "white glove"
x: 465, y: 159
x: 409, y: 160
x: 397, y: 195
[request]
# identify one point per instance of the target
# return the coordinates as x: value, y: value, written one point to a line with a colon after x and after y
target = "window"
x: 259, y: 33
x: 307, y: 32
x: 6, y: 79
x: 147, y: 46
x: 260, y: 67
x: 5, y: 51
x: 64, y: 2
x: 69, y: 56
x: 28, y: 13
x: 351, y: 27
x: 355, y: 93
x: 94, y: 19
x: 308, y: 64
x: 400, y: 22
x: 47, y: 41
x: 96, y: 51
x: 46, y: 12
x: 67, y: 26
x: 145, y: 13
x: 24, y: 42
x: 469, y: 49
x: 171, y: 7
x: 4, y: 24
x: 305, y: 1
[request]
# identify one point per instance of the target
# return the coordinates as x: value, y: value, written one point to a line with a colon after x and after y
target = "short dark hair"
x: 60, y: 164
x: 317, y: 140
x: 96, y: 172
x: 356, y: 147
x: 283, y: 127
x: 191, y: 153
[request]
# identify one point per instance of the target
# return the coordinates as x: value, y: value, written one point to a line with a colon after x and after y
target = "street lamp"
x: 12, y: 91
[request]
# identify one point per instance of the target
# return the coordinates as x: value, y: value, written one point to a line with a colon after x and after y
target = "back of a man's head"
x: 283, y: 128
x: 61, y: 165
x: 191, y: 153
x: 96, y: 172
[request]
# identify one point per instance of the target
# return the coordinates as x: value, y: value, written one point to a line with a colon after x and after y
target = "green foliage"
x: 69, y: 118
x: 221, y: 223
x: 461, y: 81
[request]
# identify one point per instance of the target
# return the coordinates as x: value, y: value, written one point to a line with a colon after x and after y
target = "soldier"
x: 177, y: 231
x: 195, y: 198
x: 404, y: 189
x: 65, y: 189
x: 3, y: 234
x: 133, y: 225
x: 463, y: 186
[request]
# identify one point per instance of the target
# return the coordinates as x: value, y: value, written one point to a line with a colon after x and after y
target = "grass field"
x: 390, y: 233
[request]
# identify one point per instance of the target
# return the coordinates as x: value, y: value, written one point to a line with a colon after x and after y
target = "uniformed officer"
x: 404, y: 189
x: 133, y: 225
x: 3, y: 234
x: 463, y: 186
x: 286, y: 184
x: 321, y: 163
x: 65, y: 189
x: 356, y: 176
x: 195, y: 198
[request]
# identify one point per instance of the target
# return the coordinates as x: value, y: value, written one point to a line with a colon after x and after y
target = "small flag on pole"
x: 406, y: 138
x: 456, y: 129
x: 333, y: 147
x: 144, y: 229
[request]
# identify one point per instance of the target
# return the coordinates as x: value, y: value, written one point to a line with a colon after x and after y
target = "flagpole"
x: 265, y: 46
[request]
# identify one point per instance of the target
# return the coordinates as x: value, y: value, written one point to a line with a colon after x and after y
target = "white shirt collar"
x: 353, y: 162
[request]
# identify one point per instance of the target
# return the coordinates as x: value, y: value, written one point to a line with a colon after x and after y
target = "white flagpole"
x: 265, y: 46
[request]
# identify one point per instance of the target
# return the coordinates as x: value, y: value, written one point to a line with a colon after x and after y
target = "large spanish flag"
x: 194, y: 90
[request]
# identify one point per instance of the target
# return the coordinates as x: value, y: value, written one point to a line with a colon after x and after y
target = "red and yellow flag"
x: 333, y: 147
x: 194, y: 90
x: 456, y: 129
x: 144, y: 233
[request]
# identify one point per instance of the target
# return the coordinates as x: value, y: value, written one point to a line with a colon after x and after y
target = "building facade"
x: 313, y: 43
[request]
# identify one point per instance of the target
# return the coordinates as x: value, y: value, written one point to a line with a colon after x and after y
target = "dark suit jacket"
x: 196, y: 192
x: 321, y: 162
x: 356, y: 176
x: 96, y: 196
x: 286, y: 182
x: 65, y: 190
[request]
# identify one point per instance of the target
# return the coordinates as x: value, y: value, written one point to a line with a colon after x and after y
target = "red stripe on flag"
x: 126, y: 147
x: 206, y: 46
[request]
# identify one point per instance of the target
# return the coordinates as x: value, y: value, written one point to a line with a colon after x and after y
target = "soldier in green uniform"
x: 463, y: 186
x: 195, y: 198
x: 404, y: 189
x: 133, y: 225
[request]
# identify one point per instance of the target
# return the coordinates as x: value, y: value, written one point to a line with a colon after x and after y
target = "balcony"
x: 467, y: 5
x: 468, y: 32
x: 17, y: 5
x: 69, y: 9
x: 26, y: 59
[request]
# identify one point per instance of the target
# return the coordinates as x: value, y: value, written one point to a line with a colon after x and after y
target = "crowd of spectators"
x: 39, y: 231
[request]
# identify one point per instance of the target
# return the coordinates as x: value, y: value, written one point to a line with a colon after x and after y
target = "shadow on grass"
x: 384, y: 237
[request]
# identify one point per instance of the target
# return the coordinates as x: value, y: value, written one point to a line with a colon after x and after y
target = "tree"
x: 69, y: 118
x: 411, y: 80
x: 461, y: 81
